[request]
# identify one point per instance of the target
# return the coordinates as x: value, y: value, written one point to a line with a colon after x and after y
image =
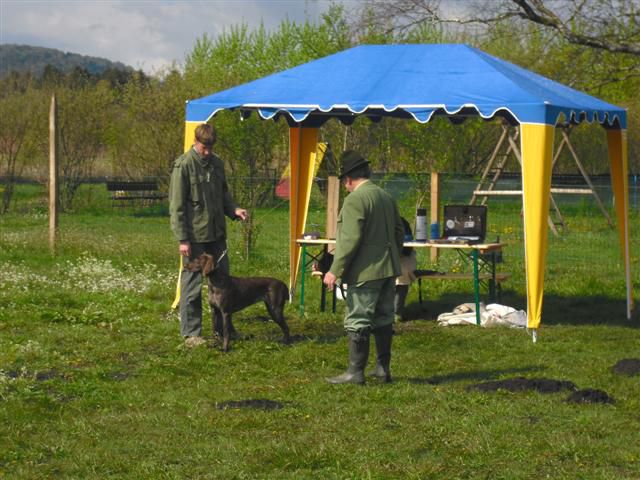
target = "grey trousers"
x: 370, y: 305
x: 191, y: 287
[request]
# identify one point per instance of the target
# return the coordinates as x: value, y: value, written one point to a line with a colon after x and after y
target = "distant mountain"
x: 25, y: 58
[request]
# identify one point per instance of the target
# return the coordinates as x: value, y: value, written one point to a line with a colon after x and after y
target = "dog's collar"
x: 222, y: 255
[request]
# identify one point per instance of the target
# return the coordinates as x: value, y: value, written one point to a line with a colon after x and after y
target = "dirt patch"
x: 47, y: 375
x: 477, y: 375
x: 257, y: 404
x: 119, y: 376
x: 296, y: 339
x: 41, y: 376
x: 520, y: 384
x: 627, y: 366
x: 589, y: 395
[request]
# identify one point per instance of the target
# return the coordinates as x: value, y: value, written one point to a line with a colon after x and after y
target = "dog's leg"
x: 215, y: 313
x: 277, y: 314
x: 226, y: 319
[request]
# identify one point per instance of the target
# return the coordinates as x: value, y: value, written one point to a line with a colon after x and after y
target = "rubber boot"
x: 384, y: 337
x: 399, y: 300
x: 358, y: 356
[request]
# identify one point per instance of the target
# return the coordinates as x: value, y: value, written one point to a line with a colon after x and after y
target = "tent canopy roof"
x: 410, y: 81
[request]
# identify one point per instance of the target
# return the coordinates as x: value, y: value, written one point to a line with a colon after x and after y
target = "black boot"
x: 358, y: 356
x: 399, y: 300
x: 383, y: 336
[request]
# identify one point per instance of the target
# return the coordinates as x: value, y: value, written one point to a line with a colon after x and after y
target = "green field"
x: 95, y: 381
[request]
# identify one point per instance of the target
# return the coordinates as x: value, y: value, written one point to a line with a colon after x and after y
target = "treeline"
x: 133, y: 125
x: 30, y: 59
x: 16, y: 82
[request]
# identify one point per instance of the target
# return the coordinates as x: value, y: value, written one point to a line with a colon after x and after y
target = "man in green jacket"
x: 367, y: 258
x: 199, y: 198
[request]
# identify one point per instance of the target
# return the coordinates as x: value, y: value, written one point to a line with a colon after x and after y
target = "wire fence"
x: 586, y: 247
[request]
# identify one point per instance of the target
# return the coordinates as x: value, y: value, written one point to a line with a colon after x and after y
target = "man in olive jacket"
x: 199, y: 198
x: 367, y: 258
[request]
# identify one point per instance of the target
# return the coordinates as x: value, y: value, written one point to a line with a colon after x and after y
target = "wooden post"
x: 53, y: 176
x: 435, y: 208
x: 333, y: 199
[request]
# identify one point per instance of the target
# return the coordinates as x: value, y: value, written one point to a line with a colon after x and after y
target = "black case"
x: 465, y: 221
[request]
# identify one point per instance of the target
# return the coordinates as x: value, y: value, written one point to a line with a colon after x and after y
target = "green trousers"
x: 370, y: 305
x: 191, y: 287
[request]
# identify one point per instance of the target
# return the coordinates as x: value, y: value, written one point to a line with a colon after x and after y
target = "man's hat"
x: 350, y: 160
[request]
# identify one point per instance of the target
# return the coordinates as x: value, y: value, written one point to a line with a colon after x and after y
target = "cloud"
x: 148, y: 35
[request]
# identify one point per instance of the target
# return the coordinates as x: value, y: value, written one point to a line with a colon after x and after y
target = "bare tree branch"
x: 583, y: 14
x: 609, y: 25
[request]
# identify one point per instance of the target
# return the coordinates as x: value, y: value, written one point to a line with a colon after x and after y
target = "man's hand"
x: 330, y: 280
x: 185, y: 249
x: 242, y: 213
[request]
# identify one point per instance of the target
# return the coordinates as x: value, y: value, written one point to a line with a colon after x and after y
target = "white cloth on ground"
x: 492, y: 315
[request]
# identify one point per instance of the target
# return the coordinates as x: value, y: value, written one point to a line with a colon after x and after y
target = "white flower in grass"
x: 99, y: 276
x: 87, y: 273
x: 30, y: 347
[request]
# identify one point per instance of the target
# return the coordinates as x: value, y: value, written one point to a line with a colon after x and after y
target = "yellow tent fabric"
x: 286, y: 175
x: 303, y: 144
x: 618, y: 159
x: 536, y: 144
x: 189, y: 134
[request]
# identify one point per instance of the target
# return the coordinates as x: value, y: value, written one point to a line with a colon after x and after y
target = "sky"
x: 145, y: 34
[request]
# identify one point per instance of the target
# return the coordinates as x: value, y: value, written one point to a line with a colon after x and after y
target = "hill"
x: 25, y: 58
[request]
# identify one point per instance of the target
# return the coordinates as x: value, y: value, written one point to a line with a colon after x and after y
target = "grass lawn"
x: 95, y: 381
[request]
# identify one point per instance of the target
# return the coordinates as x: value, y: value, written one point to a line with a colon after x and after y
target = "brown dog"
x: 229, y: 294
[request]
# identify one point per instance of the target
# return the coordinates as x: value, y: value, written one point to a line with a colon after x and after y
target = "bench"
x: 135, y: 192
x: 482, y: 277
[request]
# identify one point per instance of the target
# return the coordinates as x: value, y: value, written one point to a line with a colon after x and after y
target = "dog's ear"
x: 207, y: 262
x: 193, y: 266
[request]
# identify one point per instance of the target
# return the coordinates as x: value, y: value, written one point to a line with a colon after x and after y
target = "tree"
x: 18, y: 131
x: 82, y: 115
x: 611, y: 25
x: 145, y: 135
x: 52, y: 77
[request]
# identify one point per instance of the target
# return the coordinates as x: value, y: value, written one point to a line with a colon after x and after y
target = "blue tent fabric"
x: 417, y: 80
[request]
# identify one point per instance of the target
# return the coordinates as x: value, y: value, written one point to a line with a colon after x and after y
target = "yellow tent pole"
x: 618, y: 159
x: 302, y: 158
x: 189, y: 136
x: 536, y: 143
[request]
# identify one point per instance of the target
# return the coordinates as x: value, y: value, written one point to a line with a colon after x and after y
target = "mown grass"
x: 95, y: 382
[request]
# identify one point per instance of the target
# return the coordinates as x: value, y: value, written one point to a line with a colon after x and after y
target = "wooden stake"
x: 53, y: 176
x: 435, y: 207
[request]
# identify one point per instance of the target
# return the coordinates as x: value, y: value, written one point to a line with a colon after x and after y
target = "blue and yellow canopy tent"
x: 420, y: 82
